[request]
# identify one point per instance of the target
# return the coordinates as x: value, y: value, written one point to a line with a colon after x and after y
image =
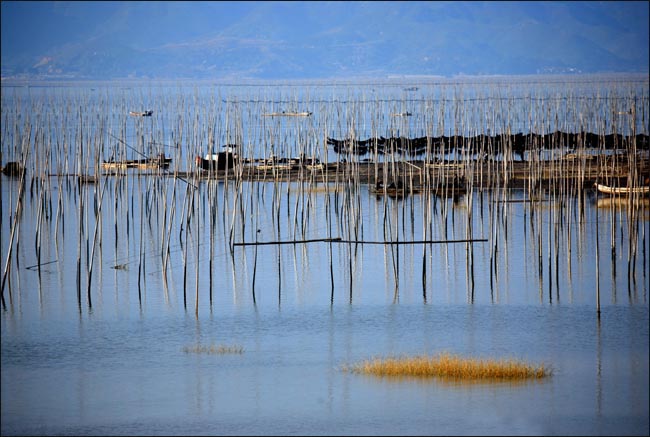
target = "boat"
x: 623, y: 191
x: 315, y: 165
x: 217, y: 161
x: 575, y: 156
x: 288, y: 114
x: 308, y: 162
x: 159, y: 161
x: 141, y: 113
x: 274, y: 163
x: 295, y: 163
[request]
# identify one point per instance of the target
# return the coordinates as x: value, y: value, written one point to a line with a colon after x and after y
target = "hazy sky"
x: 332, y: 38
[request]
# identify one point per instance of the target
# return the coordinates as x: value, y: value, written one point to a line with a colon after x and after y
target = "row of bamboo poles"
x: 63, y: 139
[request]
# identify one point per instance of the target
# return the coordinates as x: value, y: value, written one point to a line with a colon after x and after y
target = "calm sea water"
x: 110, y: 358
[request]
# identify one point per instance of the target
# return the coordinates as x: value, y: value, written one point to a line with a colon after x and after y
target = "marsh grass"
x: 446, y: 365
x: 214, y: 349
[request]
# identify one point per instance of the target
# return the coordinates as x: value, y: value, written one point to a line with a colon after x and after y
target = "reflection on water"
x: 132, y: 375
x: 109, y: 284
x: 120, y: 366
x: 466, y: 258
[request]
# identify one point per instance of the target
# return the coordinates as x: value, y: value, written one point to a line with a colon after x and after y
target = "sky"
x: 105, y: 40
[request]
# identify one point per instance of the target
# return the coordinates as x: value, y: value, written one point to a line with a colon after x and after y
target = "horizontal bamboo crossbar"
x: 339, y: 240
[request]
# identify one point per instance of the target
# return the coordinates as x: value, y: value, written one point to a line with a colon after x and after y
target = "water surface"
x: 135, y: 271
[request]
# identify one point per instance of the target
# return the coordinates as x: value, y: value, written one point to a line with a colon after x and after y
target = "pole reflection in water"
x: 357, y: 275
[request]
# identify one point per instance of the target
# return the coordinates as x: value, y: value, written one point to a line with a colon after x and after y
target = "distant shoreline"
x: 335, y: 81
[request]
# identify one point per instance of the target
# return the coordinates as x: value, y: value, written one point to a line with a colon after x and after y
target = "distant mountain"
x: 294, y: 40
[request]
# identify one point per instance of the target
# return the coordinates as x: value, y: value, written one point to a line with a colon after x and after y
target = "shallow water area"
x: 116, y: 290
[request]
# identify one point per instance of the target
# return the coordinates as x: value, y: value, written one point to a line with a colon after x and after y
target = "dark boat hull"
x: 222, y: 161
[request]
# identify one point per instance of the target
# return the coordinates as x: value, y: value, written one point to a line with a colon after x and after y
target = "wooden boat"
x: 141, y: 113
x: 623, y: 191
x: 274, y: 163
x: 217, y: 161
x: 265, y: 167
x: 159, y: 161
x: 315, y: 166
x: 308, y: 162
x: 575, y: 156
x: 288, y: 114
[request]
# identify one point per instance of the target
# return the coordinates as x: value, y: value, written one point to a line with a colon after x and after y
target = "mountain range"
x: 312, y: 40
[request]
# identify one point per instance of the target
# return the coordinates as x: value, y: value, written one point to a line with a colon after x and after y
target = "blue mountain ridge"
x: 293, y: 40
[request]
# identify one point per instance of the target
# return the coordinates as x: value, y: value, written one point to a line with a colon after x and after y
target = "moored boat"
x: 159, y: 161
x: 217, y: 161
x: 623, y: 191
x: 309, y: 162
x: 288, y: 114
x: 141, y: 113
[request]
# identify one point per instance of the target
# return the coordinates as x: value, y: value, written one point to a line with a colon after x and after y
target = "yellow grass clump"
x: 213, y: 349
x: 446, y: 365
